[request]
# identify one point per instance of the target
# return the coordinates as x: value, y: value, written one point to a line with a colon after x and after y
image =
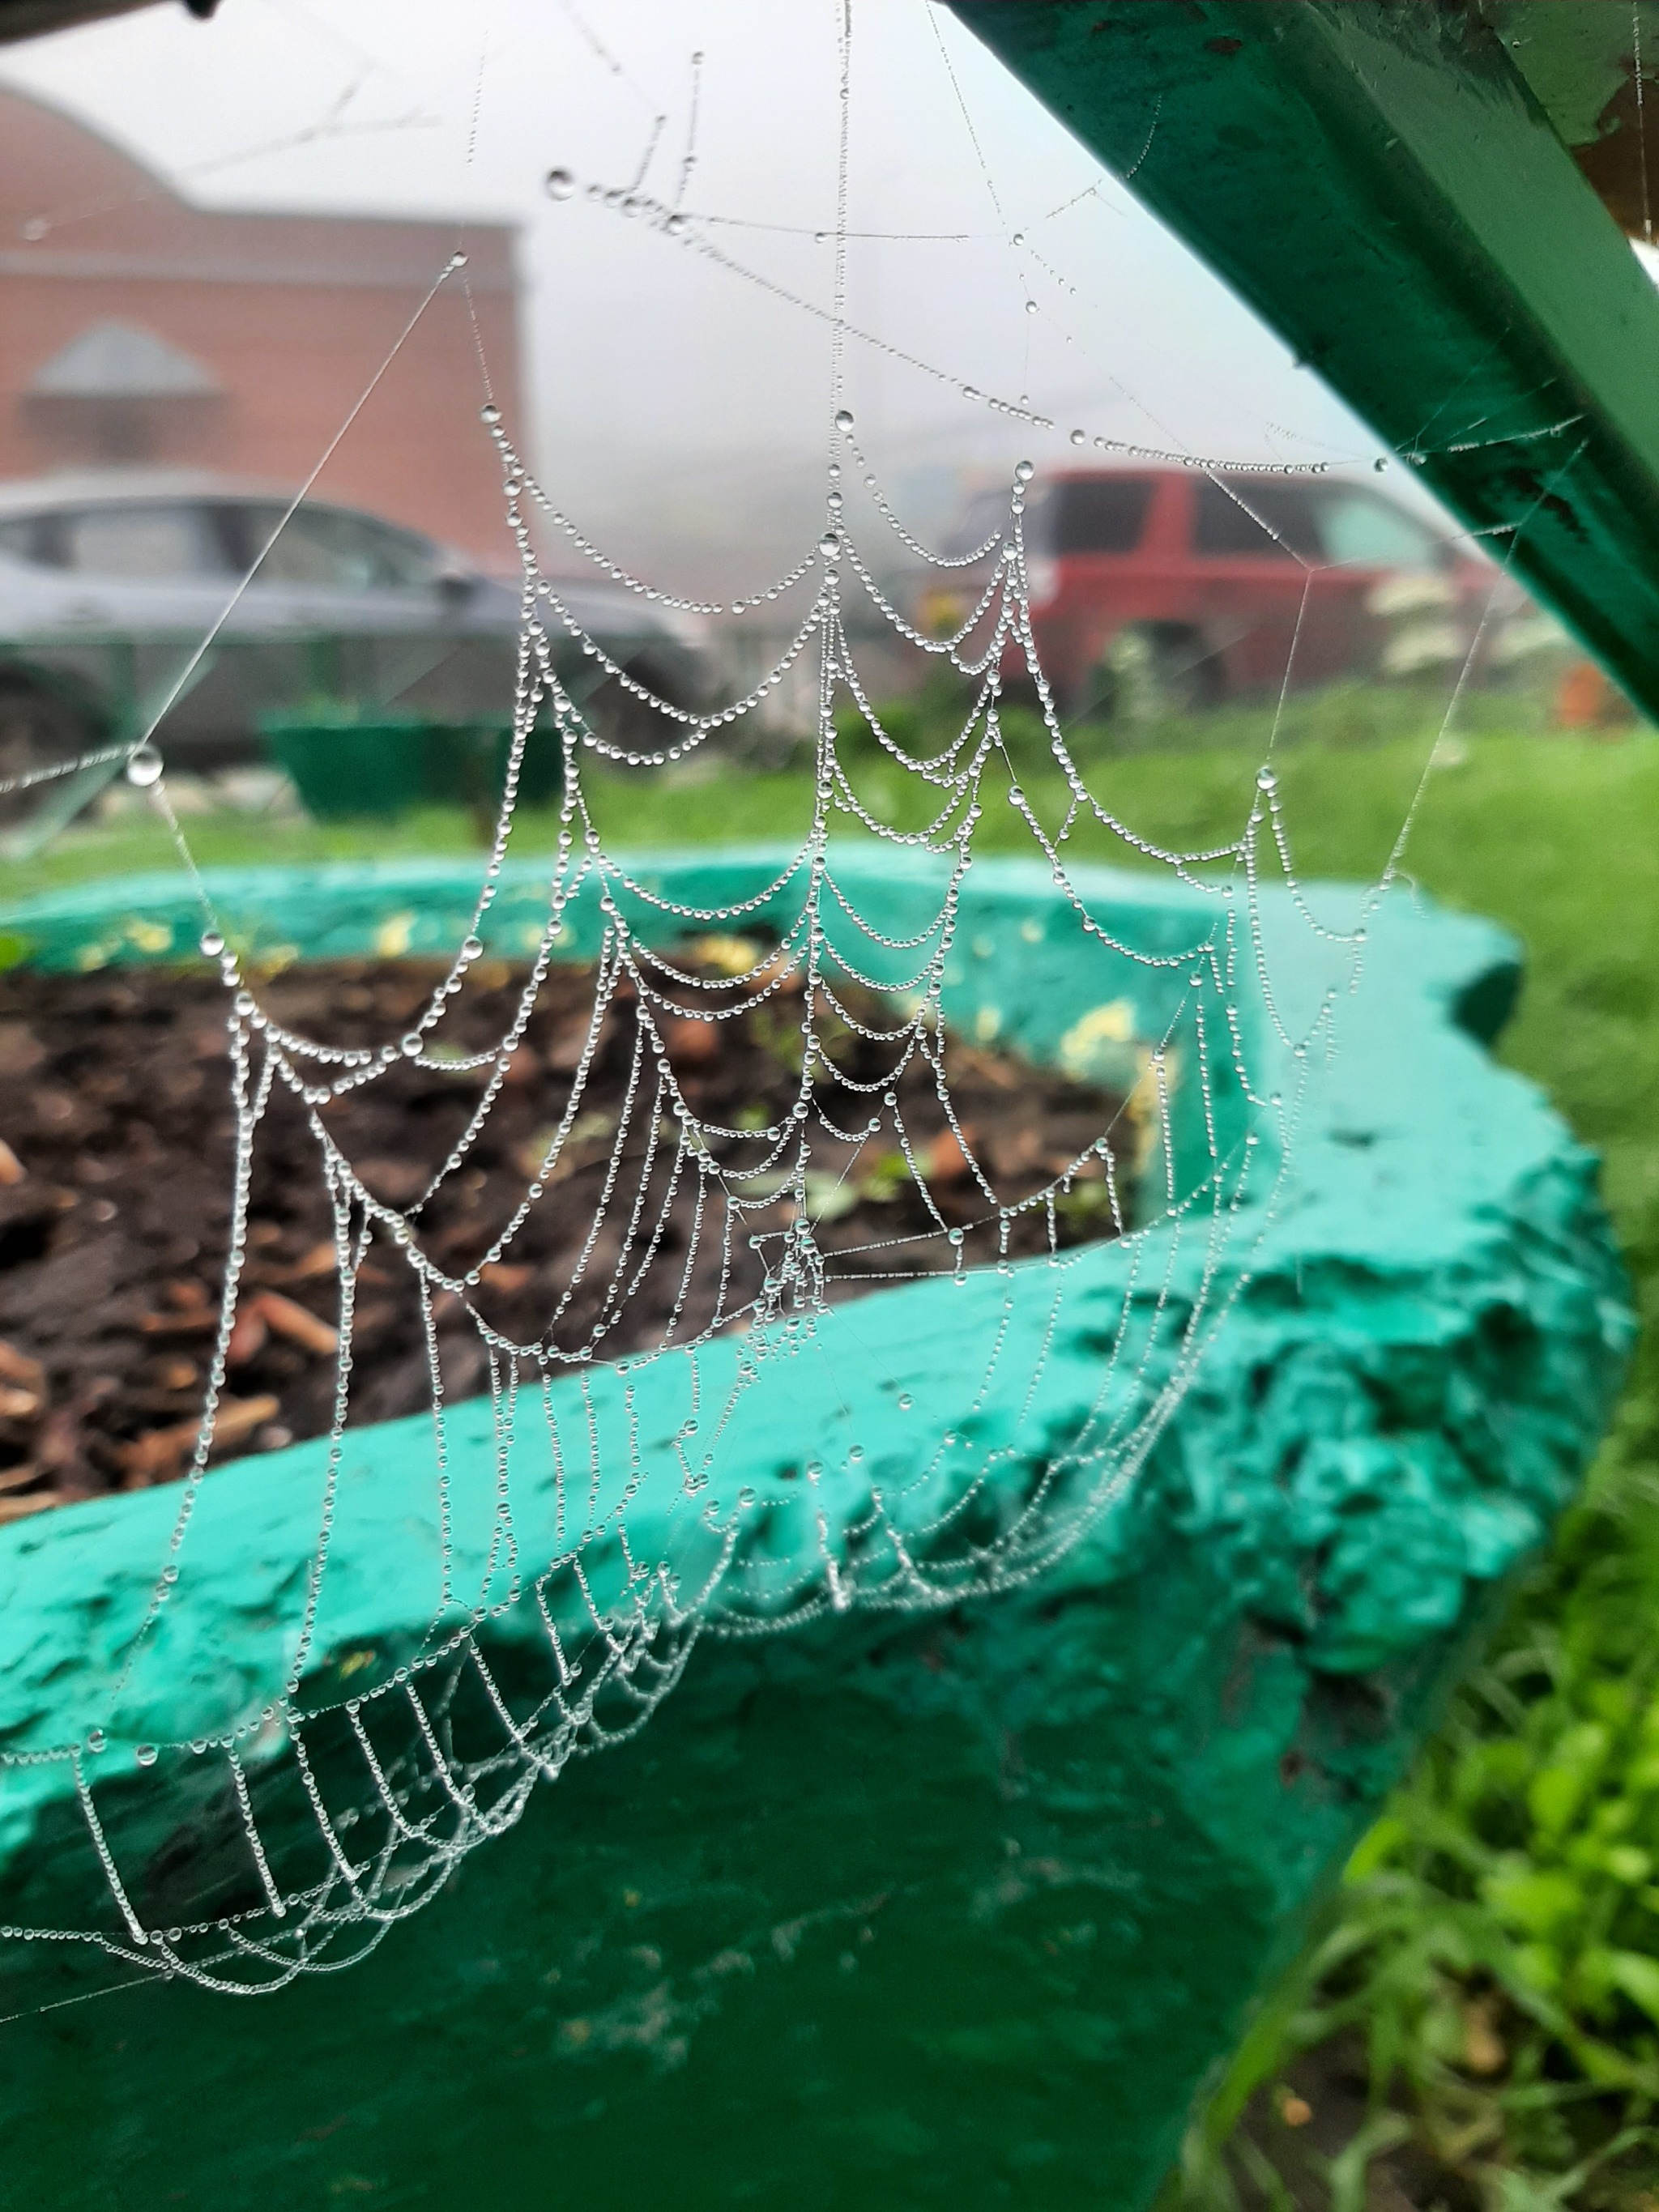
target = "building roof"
x: 117, y: 360
x: 74, y: 204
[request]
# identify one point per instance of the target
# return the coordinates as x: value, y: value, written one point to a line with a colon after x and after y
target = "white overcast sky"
x: 664, y: 390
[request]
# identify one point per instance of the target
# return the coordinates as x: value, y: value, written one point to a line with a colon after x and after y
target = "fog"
x: 679, y: 405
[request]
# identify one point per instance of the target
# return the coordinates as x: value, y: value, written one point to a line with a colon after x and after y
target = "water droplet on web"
x: 843, y: 420
x: 472, y: 948
x: 905, y: 1401
x: 1023, y: 471
x: 144, y: 767
x: 676, y: 226
x: 489, y: 413
x: 36, y: 228
x: 412, y: 1043
x: 558, y: 183
x: 1079, y: 437
x: 829, y: 544
x: 145, y: 1754
x: 1030, y: 307
x: 954, y: 1236
x: 1266, y: 780
x: 96, y: 1740
x: 211, y: 944
x: 458, y: 261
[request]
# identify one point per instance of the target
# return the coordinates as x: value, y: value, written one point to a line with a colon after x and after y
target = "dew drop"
x: 829, y: 544
x: 906, y: 1401
x: 1030, y: 307
x: 1079, y: 437
x: 489, y: 413
x: 558, y: 183
x: 472, y: 948
x: 843, y: 420
x: 412, y: 1044
x: 145, y: 1754
x: 458, y: 261
x: 211, y: 944
x: 95, y: 1740
x: 1266, y: 780
x: 144, y: 767
x: 1023, y: 471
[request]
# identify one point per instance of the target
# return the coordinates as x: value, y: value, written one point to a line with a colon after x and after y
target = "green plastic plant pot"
x: 947, y: 1908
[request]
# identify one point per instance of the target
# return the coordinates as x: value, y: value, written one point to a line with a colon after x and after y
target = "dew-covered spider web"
x: 795, y: 1429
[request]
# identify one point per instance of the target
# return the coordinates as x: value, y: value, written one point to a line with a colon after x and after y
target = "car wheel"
x: 1148, y: 671
x: 37, y: 729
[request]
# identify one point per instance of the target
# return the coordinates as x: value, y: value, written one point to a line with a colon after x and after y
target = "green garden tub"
x: 350, y: 765
x: 957, y: 1908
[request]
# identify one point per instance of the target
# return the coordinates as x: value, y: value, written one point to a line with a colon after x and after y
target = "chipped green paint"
x: 943, y: 1911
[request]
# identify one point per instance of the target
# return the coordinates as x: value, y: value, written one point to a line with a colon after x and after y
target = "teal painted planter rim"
x: 1415, y: 1155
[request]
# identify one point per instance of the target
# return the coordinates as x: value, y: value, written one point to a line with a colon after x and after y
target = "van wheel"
x: 37, y: 729
x: 1149, y: 670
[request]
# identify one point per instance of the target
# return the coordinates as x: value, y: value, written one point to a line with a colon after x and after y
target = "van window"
x: 1097, y: 515
x: 1365, y: 530
x: 1231, y: 516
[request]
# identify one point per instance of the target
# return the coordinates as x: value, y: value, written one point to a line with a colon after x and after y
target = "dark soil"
x: 115, y: 1153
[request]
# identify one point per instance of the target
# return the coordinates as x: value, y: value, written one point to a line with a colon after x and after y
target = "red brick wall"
x: 291, y: 315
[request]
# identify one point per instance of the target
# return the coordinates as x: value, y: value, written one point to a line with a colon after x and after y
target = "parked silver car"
x: 110, y: 582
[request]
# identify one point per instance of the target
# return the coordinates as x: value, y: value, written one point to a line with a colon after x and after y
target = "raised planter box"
x: 950, y: 1909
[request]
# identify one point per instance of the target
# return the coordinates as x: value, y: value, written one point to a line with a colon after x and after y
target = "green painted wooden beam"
x: 1384, y: 186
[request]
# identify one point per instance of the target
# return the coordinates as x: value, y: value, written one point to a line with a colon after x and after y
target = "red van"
x: 1175, y: 585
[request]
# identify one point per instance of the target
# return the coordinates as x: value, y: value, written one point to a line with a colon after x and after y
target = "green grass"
x: 1495, y: 1941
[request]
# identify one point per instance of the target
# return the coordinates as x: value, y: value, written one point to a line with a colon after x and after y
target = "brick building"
x: 136, y: 328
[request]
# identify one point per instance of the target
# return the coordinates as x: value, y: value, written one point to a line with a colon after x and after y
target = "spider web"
x: 572, y: 1587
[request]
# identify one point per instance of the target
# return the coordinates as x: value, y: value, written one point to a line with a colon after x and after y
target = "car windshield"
x: 325, y: 548
x: 1363, y: 530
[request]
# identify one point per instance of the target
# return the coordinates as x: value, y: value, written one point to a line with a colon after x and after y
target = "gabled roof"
x: 117, y: 360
